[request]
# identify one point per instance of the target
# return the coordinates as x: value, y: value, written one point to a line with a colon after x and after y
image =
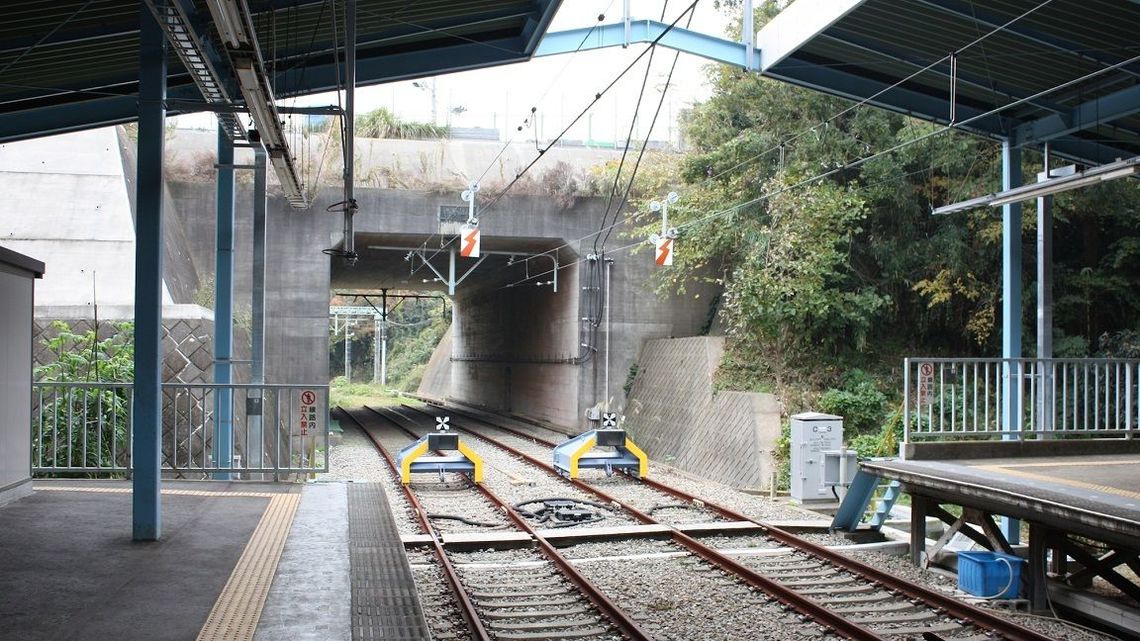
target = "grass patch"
x: 347, y: 394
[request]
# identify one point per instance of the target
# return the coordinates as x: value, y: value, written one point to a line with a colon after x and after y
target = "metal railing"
x: 207, y: 429
x: 1019, y: 398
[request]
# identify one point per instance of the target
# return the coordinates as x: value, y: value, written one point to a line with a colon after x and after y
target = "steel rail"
x: 620, y: 618
x: 830, y: 621
x: 950, y: 605
x: 466, y: 607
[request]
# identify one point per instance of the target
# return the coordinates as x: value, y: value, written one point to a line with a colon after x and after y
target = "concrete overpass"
x: 517, y: 344
x: 517, y: 348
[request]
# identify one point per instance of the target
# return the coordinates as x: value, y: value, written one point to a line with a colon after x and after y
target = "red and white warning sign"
x: 925, y: 383
x: 469, y: 241
x: 308, y: 412
x: 664, y: 252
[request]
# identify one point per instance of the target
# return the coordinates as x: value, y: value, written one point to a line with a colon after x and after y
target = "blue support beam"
x: 375, y: 68
x: 43, y: 120
x: 1096, y: 112
x: 376, y: 63
x: 933, y: 108
x: 146, y: 446
x: 875, y: 50
x: 224, y: 303
x: 536, y: 27
x: 901, y: 99
x: 1011, y: 311
x: 36, y: 121
x: 255, y: 426
x: 679, y: 39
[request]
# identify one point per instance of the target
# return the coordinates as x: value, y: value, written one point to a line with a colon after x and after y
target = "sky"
x: 558, y: 87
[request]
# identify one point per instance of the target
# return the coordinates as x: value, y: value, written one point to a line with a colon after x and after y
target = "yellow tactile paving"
x: 1065, y: 464
x: 238, y: 608
x: 1107, y: 489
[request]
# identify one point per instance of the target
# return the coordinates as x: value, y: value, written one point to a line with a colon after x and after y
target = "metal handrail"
x: 1019, y: 398
x: 209, y: 429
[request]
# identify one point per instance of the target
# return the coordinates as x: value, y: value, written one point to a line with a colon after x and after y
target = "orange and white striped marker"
x: 664, y: 252
x: 469, y: 245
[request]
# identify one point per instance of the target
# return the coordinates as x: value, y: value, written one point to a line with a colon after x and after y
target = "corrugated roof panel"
x: 58, y: 53
x: 1040, y: 65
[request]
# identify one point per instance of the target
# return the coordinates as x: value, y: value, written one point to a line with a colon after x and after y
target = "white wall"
x: 66, y: 201
x: 15, y: 380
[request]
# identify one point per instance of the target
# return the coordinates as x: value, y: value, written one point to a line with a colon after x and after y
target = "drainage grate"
x: 385, y: 604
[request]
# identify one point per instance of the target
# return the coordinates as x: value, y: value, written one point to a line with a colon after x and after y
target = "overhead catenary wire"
x: 644, y: 146
x: 597, y: 97
x: 628, y: 140
x: 784, y: 142
x: 826, y: 121
x: 532, y: 114
x: 854, y: 163
x: 511, y: 138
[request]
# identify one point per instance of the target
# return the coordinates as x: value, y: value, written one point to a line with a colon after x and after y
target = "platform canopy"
x: 68, y: 65
x: 1059, y: 71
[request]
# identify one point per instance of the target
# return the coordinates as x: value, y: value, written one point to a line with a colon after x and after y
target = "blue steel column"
x: 224, y: 303
x: 146, y: 448
x: 1011, y: 310
x: 255, y: 422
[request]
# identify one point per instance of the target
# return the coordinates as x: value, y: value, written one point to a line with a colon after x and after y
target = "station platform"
x: 1091, y: 495
x: 237, y: 561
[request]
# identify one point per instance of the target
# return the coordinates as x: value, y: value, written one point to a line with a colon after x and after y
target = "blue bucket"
x: 992, y: 575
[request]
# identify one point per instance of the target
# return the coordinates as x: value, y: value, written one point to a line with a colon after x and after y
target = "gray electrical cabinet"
x: 812, y: 435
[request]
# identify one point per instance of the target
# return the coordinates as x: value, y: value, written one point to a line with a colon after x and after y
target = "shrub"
x: 85, y: 358
x: 859, y: 402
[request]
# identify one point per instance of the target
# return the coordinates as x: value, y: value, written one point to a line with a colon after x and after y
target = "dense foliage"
x: 77, y: 425
x: 415, y: 328
x: 830, y: 260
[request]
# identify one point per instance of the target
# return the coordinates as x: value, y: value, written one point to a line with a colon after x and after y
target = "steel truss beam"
x: 644, y: 31
x: 185, y: 27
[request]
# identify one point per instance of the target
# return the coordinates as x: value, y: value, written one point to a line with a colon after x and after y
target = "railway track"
x: 529, y: 594
x: 816, y: 581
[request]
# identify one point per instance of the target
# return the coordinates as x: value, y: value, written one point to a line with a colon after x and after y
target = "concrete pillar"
x: 224, y: 303
x: 146, y: 446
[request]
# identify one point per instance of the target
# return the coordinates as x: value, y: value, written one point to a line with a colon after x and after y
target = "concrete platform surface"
x: 1092, y: 495
x: 69, y: 570
x: 237, y: 561
x: 309, y: 598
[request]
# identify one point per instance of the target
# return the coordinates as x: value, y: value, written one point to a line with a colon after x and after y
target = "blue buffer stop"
x: 414, y: 458
x: 578, y: 452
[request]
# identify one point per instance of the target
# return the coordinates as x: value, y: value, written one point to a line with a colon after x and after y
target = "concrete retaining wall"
x: 437, y: 374
x: 187, y: 330
x: 674, y: 415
